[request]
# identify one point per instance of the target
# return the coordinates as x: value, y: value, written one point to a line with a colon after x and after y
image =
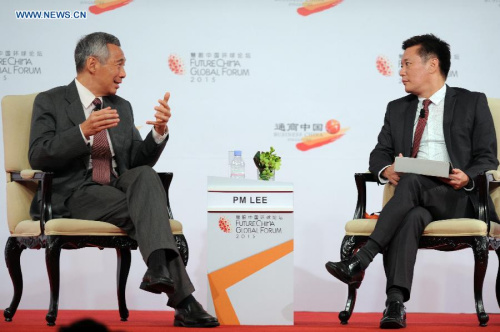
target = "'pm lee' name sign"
x: 262, y: 201
x: 250, y: 199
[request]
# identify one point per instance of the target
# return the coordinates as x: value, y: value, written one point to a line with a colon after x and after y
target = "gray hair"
x: 94, y: 44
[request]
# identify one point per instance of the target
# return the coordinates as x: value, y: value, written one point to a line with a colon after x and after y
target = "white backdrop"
x: 293, y: 74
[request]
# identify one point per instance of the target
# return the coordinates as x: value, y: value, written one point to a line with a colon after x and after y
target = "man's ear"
x: 433, y: 65
x: 92, y: 64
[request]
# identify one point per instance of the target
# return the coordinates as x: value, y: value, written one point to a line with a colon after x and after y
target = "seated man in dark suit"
x: 434, y: 122
x: 86, y: 135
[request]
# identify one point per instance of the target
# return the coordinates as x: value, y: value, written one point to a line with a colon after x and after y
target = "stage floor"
x: 149, y: 321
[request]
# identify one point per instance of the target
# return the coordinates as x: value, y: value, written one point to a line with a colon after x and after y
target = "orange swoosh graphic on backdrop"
x: 316, y: 6
x: 315, y: 141
x: 102, y: 6
x: 230, y: 275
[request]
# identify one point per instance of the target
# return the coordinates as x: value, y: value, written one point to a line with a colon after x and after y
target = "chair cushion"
x: 457, y: 227
x: 495, y: 230
x: 65, y: 226
x: 78, y: 227
x: 27, y: 228
x: 363, y: 227
x: 448, y: 227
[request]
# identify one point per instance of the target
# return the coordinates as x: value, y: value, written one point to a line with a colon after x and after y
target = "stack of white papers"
x: 421, y: 166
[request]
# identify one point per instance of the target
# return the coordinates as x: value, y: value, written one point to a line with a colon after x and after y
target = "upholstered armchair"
x: 444, y: 235
x: 494, y: 188
x: 55, y: 234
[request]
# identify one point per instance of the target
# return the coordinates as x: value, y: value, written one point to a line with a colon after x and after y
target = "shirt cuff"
x: 470, y: 186
x: 380, y: 178
x: 159, y: 138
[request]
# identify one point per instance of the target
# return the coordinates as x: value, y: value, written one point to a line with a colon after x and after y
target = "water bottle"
x: 237, y: 166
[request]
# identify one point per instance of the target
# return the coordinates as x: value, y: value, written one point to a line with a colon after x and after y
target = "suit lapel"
x: 75, y: 109
x: 449, y: 108
x: 75, y: 113
x: 410, y: 113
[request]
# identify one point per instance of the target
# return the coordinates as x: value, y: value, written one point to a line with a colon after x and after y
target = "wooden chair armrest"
x: 493, y: 176
x: 45, y: 182
x: 361, y: 180
x: 26, y: 175
x: 489, y: 177
x: 166, y: 180
x: 483, y: 189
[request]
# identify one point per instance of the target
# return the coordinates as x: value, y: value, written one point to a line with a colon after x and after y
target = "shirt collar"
x: 86, y: 97
x: 437, y: 97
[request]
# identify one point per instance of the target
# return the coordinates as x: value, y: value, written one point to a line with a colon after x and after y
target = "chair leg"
x: 349, y: 245
x: 480, y: 249
x: 52, y: 255
x: 182, y: 246
x: 349, y: 306
x: 124, y: 258
x: 13, y: 252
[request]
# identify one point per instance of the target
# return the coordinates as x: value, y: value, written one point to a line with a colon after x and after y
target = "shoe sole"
x: 392, y: 324
x: 179, y: 323
x: 157, y: 288
x: 340, y: 276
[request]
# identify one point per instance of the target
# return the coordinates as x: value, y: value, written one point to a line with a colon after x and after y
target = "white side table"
x: 250, y: 251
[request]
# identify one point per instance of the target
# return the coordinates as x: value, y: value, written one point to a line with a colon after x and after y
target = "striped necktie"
x: 422, y: 121
x: 101, y: 153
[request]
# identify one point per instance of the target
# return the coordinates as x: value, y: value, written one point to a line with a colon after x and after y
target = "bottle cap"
x: 237, y: 153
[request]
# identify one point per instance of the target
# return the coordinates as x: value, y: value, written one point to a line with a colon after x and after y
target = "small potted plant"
x: 267, y: 164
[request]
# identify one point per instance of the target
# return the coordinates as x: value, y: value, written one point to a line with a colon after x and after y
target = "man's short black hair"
x: 431, y: 45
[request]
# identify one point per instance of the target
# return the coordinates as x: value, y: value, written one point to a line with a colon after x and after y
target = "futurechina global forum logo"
x: 252, y: 226
x: 384, y: 65
x: 224, y: 225
x: 210, y: 67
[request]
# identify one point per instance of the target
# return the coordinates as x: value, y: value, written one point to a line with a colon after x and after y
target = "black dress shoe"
x: 156, y: 281
x: 394, y: 316
x: 348, y: 271
x: 193, y: 315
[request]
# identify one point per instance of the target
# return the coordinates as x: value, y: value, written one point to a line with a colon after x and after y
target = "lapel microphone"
x: 422, y: 113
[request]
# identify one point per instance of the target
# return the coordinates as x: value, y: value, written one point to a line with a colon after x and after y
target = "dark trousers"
x: 418, y: 200
x: 135, y: 202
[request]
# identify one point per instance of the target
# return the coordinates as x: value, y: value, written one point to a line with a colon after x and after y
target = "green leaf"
x: 267, y: 162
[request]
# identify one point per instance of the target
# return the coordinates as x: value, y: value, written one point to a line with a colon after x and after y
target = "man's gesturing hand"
x: 162, y: 115
x: 100, y: 120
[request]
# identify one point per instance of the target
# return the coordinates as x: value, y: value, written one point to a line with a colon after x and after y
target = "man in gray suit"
x: 456, y: 126
x: 86, y: 135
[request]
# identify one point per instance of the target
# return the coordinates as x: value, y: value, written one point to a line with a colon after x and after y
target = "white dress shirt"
x: 432, y: 145
x: 87, y: 97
